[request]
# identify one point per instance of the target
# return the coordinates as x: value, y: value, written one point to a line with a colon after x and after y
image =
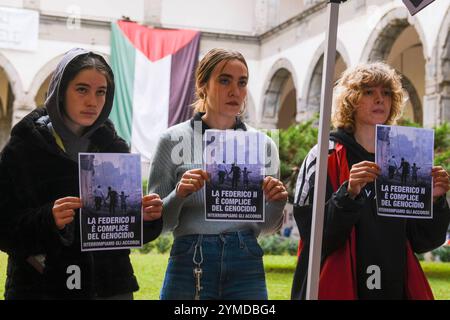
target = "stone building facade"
x: 283, y: 41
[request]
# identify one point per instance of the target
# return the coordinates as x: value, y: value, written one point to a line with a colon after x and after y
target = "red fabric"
x: 156, y: 44
x: 300, y: 247
x: 338, y: 273
x: 417, y: 286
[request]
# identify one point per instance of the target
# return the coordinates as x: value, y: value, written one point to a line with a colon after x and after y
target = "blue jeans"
x: 232, y: 268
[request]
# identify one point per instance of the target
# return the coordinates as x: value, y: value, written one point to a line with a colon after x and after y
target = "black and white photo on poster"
x: 405, y: 156
x: 111, y: 193
x: 234, y: 161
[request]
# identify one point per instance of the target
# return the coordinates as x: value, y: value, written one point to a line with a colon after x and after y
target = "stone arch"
x: 414, y: 100
x: 13, y: 76
x: 399, y: 40
x: 437, y: 97
x: 280, y: 73
x: 313, y: 87
x: 386, y: 32
x: 288, y: 105
x: 42, y: 76
x: 12, y: 93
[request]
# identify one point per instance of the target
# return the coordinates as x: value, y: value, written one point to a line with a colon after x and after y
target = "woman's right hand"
x: 362, y: 173
x: 64, y: 210
x: 191, y: 181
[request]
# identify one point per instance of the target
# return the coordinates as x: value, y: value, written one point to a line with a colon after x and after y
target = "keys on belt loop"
x: 198, y: 272
x: 197, y: 276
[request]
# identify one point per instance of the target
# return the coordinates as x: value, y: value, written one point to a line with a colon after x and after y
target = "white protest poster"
x: 405, y: 156
x: 415, y: 6
x: 111, y: 193
x: 234, y: 161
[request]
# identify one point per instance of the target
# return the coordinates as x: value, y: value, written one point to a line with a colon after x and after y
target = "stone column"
x: 436, y: 106
x: 21, y: 107
x: 444, y: 85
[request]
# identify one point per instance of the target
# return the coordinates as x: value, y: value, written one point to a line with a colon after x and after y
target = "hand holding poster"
x: 405, y: 156
x: 111, y: 192
x: 234, y: 161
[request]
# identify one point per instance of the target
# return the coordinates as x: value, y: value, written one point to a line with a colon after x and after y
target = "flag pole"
x: 315, y: 251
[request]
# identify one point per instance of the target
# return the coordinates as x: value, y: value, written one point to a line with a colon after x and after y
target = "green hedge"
x: 440, y: 254
x: 271, y: 245
x: 277, y: 245
x: 162, y: 244
x: 443, y: 253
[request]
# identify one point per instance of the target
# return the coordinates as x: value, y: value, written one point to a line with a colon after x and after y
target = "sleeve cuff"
x: 342, y: 199
x: 175, y: 200
x: 66, y: 235
x: 440, y: 203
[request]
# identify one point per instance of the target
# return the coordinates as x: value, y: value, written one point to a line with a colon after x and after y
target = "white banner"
x: 415, y: 6
x: 19, y: 29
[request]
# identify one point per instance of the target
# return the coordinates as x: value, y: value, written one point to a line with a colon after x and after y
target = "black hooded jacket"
x: 380, y: 241
x: 34, y: 172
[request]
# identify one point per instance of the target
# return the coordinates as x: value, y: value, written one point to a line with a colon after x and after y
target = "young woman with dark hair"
x: 39, y: 220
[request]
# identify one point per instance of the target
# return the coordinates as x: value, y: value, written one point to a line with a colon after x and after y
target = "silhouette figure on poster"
x: 414, y: 170
x: 245, y: 174
x: 236, y: 175
x: 392, y: 167
x: 112, y: 196
x: 99, y: 196
x: 222, y: 172
x: 405, y: 170
x: 123, y: 202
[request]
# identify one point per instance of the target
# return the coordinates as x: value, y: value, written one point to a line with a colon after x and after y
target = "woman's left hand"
x: 274, y: 189
x: 152, y: 205
x: 441, y: 182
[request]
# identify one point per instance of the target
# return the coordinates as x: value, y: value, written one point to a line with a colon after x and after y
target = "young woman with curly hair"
x: 364, y: 255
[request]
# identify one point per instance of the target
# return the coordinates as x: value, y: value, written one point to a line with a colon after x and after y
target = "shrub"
x: 294, y: 144
x: 443, y: 253
x: 293, y: 247
x: 442, y: 145
x: 147, y: 248
x: 268, y: 243
x: 277, y: 245
x: 144, y: 186
x: 164, y: 242
x: 420, y: 256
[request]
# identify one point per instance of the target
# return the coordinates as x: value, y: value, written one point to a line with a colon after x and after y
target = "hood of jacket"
x: 33, y: 129
x: 348, y: 140
x: 55, y: 103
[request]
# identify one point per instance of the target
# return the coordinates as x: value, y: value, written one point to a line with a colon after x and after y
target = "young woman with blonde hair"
x: 227, y: 253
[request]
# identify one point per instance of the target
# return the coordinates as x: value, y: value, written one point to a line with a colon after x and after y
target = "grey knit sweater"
x: 185, y: 216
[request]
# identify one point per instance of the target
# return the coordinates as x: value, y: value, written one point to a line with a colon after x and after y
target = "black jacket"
x: 34, y: 172
x: 380, y: 240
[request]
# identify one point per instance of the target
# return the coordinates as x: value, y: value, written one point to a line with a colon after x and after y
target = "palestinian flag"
x: 154, y: 77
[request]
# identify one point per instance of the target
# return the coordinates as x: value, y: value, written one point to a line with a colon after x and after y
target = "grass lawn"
x: 150, y: 270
